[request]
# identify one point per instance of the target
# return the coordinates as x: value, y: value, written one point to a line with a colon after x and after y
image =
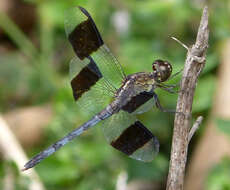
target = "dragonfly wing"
x: 90, y: 90
x: 140, y: 103
x: 88, y: 44
x: 109, y: 66
x: 128, y: 135
x: 145, y: 107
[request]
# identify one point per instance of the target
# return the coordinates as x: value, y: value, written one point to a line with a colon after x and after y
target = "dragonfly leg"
x: 175, y: 74
x: 159, y: 106
x: 169, y: 89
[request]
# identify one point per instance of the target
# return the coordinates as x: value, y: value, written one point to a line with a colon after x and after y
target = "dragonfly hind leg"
x: 159, y: 106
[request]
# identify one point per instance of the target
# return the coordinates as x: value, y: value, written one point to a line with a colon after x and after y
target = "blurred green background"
x: 34, y: 62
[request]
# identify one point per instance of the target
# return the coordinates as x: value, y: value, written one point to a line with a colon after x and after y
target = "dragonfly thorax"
x: 133, y: 85
x: 138, y: 82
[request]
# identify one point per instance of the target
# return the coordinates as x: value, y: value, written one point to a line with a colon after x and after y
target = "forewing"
x: 82, y: 32
x: 128, y: 135
x: 88, y: 44
x: 109, y: 66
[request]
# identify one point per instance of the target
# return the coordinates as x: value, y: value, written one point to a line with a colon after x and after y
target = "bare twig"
x: 178, y: 41
x: 212, y: 138
x: 194, y: 127
x: 194, y: 64
x: 122, y: 181
x: 12, y: 150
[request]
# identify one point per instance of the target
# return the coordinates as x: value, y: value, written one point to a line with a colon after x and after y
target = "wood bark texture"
x: 204, y: 158
x: 194, y: 64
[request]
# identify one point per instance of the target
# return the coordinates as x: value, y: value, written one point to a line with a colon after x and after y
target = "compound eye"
x: 161, y: 70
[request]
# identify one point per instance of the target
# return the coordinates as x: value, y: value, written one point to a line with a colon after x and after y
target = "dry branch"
x: 12, y: 151
x: 194, y: 127
x: 203, y: 157
x: 194, y: 64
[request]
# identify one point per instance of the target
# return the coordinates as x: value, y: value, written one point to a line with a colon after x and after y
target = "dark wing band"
x: 86, y: 78
x: 128, y: 135
x: 82, y: 32
x: 91, y: 51
x: 132, y: 138
x: 137, y: 101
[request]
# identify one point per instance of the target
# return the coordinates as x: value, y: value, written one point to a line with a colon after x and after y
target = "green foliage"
x: 9, y: 169
x: 37, y: 73
x: 204, y: 94
x: 223, y: 125
x: 17, y: 36
x: 219, y: 176
x: 154, y: 170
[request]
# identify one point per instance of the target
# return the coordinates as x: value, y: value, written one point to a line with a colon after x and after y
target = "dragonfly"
x: 101, y: 87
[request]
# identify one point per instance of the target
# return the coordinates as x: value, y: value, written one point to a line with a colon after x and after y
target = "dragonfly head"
x: 161, y: 70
